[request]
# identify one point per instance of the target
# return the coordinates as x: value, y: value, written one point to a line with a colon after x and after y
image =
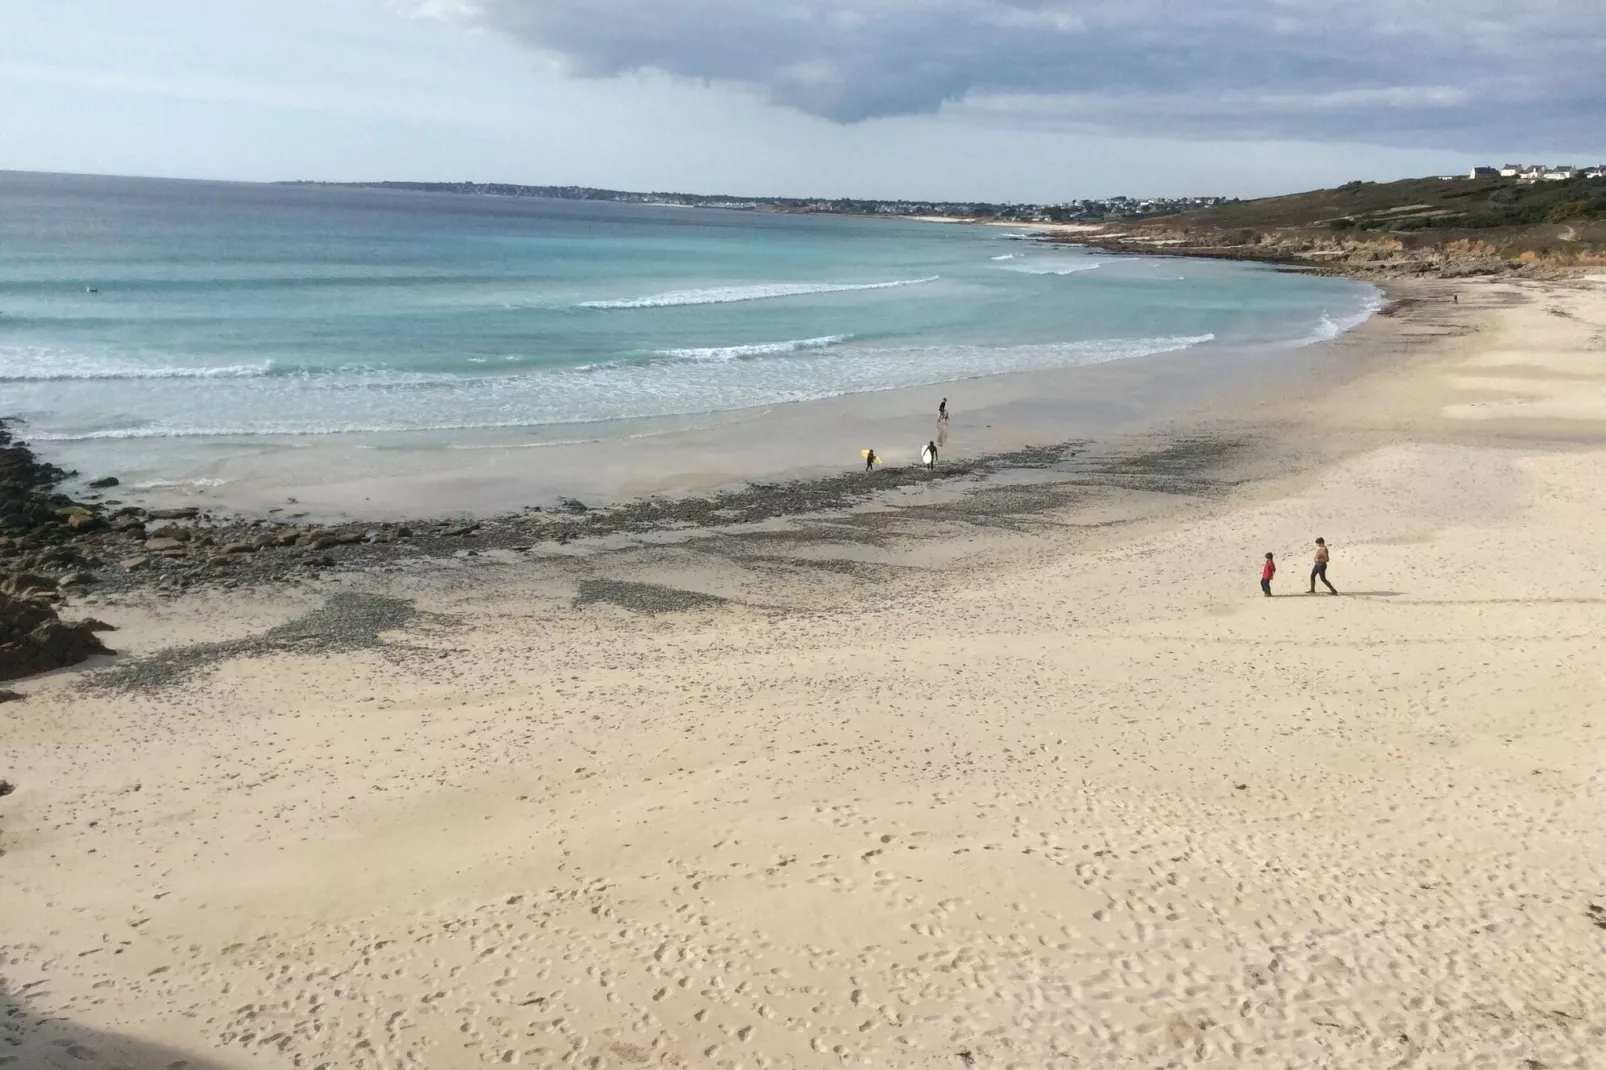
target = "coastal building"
x: 1560, y: 174
x: 1483, y: 172
x: 1511, y: 170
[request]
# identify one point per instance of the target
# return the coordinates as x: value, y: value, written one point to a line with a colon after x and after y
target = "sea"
x: 149, y: 312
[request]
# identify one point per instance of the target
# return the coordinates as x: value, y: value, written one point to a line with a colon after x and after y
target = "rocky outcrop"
x: 34, y: 639
x: 1357, y: 254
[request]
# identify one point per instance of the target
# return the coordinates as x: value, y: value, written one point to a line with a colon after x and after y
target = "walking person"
x: 930, y: 457
x: 1319, y: 569
x: 1267, y: 571
x: 942, y: 412
x: 870, y: 460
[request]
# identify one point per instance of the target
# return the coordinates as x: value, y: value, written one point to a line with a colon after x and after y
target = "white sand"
x: 1078, y: 797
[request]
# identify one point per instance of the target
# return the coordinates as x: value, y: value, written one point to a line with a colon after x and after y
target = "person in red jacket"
x: 1267, y: 571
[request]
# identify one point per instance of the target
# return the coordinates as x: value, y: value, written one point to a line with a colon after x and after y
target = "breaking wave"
x: 762, y: 349
x: 83, y: 374
x: 720, y: 295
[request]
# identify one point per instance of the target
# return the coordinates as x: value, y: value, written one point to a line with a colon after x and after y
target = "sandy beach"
x: 1024, y: 773
x: 1044, y: 228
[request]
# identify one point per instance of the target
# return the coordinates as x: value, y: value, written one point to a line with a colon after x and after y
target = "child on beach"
x: 1267, y: 571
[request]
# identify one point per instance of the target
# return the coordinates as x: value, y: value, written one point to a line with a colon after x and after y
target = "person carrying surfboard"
x: 929, y: 455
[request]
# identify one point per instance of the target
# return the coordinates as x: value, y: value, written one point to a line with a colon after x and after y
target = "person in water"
x: 869, y: 460
x: 931, y: 455
x: 1319, y: 569
x: 1267, y: 571
x: 942, y: 412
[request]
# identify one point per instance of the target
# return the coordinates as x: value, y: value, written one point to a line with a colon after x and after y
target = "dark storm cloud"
x: 1452, y: 73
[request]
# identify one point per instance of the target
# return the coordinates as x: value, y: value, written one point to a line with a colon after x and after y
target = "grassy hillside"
x: 1416, y: 204
x: 1419, y: 226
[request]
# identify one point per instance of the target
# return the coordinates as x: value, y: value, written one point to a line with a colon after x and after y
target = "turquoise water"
x: 238, y: 310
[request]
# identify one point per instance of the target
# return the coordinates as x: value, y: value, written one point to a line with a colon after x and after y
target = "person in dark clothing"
x: 1267, y: 571
x: 1319, y: 569
x: 869, y: 460
x: 931, y: 455
x: 942, y: 412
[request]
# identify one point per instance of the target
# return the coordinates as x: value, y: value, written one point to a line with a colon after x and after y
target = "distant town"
x: 1085, y: 210
x: 1536, y: 172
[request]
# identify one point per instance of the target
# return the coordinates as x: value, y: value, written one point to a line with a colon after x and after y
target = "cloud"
x: 1444, y: 73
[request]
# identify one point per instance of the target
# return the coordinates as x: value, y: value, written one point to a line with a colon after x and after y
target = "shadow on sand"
x: 33, y: 1040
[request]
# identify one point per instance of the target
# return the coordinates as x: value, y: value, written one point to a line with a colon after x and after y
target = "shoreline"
x: 1031, y: 772
x: 230, y: 545
x: 376, y: 477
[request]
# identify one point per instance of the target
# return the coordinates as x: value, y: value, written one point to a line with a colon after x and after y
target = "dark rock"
x: 459, y: 530
x: 188, y: 512
x: 27, y: 585
x: 33, y: 639
x: 7, y: 696
x: 131, y: 525
x: 94, y: 624
x: 76, y: 579
x: 6, y: 786
x: 173, y: 531
x: 103, y: 482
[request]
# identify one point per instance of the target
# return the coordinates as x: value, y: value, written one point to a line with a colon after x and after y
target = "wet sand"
x: 1021, y: 772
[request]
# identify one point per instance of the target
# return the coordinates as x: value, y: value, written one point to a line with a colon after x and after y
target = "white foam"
x: 49, y: 374
x: 1006, y: 256
x: 160, y: 484
x: 762, y: 349
x: 1329, y: 328
x: 266, y: 431
x: 720, y: 295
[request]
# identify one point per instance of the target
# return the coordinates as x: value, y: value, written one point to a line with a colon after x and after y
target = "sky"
x: 999, y: 100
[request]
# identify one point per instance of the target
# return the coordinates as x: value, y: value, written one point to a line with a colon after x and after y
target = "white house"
x: 1561, y: 174
x: 1511, y: 170
x: 1482, y: 172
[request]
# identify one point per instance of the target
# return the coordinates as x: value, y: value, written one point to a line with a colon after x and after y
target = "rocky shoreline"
x: 1369, y: 257
x: 56, y: 548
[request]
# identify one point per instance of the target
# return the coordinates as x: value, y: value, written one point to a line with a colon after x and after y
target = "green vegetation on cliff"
x: 1417, y: 204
